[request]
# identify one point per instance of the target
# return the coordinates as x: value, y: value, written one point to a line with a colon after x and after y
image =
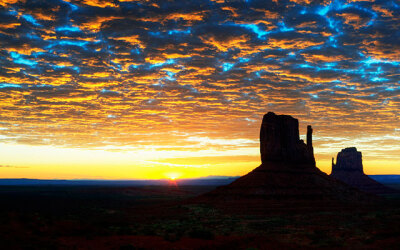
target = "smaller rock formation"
x: 349, y: 159
x: 349, y: 169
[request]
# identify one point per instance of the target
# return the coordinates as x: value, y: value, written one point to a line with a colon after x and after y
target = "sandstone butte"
x: 349, y: 169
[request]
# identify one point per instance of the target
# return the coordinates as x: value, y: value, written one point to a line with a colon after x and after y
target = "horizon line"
x: 161, y: 179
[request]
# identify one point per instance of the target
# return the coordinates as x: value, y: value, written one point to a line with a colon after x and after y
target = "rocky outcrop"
x: 280, y: 140
x: 349, y: 159
x: 349, y: 169
x: 287, y: 176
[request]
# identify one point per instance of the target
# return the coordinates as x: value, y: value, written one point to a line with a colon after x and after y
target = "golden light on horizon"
x: 173, y: 176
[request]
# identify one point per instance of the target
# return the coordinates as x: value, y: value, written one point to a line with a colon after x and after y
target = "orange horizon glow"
x: 173, y: 176
x: 22, y: 161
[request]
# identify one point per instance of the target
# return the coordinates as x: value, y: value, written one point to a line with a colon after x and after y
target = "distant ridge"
x: 204, y: 181
x: 209, y: 180
x: 386, y: 178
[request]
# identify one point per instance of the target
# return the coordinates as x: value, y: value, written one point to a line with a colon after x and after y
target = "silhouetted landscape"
x: 287, y: 202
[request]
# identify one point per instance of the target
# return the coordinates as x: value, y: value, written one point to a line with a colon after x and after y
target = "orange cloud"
x: 226, y: 44
x: 100, y: 3
x: 9, y: 25
x: 311, y: 24
x: 385, y: 12
x: 315, y: 58
x: 301, y: 1
x: 26, y: 49
x: 95, y: 24
x: 134, y: 40
x: 268, y: 14
x: 5, y: 3
x: 189, y: 17
x: 230, y: 9
x: 383, y: 51
x: 352, y: 19
x: 292, y: 43
x: 176, y: 55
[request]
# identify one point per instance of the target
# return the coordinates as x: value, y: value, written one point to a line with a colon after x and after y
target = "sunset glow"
x: 177, y: 89
x: 173, y: 176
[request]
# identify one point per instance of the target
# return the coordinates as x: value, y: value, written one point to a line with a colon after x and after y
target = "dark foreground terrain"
x: 155, y: 217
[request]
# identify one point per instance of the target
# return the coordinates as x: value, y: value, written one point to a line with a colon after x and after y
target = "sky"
x: 97, y: 89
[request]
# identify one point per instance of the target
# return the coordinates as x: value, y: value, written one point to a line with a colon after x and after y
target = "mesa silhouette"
x: 349, y: 169
x: 287, y: 176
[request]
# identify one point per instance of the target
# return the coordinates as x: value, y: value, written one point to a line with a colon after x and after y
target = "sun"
x: 173, y: 176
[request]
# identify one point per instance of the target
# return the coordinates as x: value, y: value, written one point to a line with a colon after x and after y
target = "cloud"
x: 96, y: 72
x: 10, y: 166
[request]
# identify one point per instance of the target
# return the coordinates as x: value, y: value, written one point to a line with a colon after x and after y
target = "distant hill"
x: 204, y: 181
x: 386, y: 179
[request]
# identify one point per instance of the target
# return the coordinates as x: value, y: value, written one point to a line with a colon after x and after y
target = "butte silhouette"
x: 349, y: 169
x: 287, y: 176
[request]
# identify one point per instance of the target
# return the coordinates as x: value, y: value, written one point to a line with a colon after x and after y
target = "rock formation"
x: 349, y: 159
x: 287, y: 176
x: 280, y: 141
x: 349, y: 169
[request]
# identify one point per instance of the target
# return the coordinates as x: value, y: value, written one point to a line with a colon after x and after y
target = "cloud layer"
x: 186, y: 75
